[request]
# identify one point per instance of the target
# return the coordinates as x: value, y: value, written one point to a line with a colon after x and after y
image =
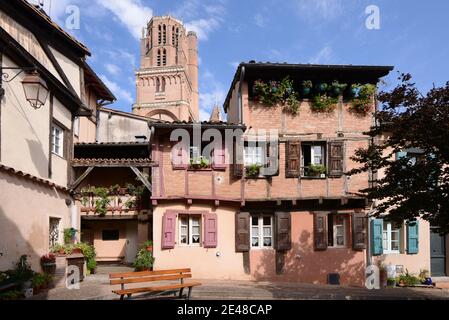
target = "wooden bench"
x: 152, y: 276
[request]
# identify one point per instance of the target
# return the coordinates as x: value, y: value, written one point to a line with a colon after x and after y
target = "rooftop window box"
x: 200, y: 163
x: 252, y: 171
x: 314, y: 171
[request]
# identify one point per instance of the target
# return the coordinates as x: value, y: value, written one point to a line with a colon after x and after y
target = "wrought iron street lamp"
x: 34, y: 87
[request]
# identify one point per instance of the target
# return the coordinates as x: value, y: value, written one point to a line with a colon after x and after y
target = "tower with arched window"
x: 167, y: 80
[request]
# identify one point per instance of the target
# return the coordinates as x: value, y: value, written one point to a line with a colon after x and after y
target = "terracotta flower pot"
x: 150, y: 248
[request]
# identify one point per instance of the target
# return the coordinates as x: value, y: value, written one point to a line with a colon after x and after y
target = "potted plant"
x: 199, y: 163
x: 337, y: 87
x: 89, y: 255
x: 317, y: 170
x: 424, y: 277
x: 58, y: 248
x: 383, y: 276
x: 148, y: 245
x: 306, y: 86
x: 48, y: 263
x: 253, y: 170
x: 69, y: 235
x: 391, y: 282
x: 323, y: 103
x: 355, y: 89
x: 144, y: 260
x: 321, y: 87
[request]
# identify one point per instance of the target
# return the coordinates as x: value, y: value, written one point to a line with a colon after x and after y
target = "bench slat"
x: 147, y: 273
x: 150, y: 279
x: 156, y: 288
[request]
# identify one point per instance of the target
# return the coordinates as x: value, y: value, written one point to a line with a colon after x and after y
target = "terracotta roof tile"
x: 28, y: 176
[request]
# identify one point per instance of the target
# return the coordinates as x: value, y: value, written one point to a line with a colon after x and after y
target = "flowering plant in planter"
x: 362, y: 101
x: 274, y: 92
x: 253, y: 170
x: 49, y: 258
x: 199, y: 163
x: 323, y: 103
x: 338, y: 87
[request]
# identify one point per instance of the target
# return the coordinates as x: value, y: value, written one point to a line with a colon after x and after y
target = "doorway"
x: 437, y: 254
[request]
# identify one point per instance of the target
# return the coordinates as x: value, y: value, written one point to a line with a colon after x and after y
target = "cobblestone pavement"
x: 96, y: 287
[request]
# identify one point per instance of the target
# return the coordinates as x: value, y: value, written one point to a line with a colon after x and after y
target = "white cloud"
x: 112, y: 68
x: 203, y: 27
x: 117, y: 90
x: 320, y: 9
x: 323, y: 56
x: 211, y: 94
x: 131, y: 13
x: 259, y: 20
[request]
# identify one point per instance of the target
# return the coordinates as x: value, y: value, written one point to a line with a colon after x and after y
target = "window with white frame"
x: 253, y: 155
x: 337, y: 230
x: 57, y: 139
x: 53, y: 232
x: 261, y: 231
x: 190, y: 230
x: 312, y: 154
x: 391, y: 238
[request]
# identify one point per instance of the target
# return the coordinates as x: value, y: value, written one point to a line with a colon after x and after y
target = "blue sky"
x: 412, y: 37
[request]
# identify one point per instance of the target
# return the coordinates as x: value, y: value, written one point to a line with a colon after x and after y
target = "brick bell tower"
x: 167, y: 80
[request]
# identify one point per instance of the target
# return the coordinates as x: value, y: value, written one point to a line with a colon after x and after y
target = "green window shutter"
x: 400, y: 155
x: 376, y: 236
x: 412, y: 237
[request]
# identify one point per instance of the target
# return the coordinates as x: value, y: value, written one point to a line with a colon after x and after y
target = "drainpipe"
x: 240, y: 103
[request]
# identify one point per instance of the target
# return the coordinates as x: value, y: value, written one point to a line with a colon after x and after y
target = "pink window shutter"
x: 179, y: 158
x: 219, y: 158
x: 210, y: 230
x: 168, y: 230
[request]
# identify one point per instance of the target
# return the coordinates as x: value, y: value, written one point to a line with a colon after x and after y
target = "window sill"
x: 189, y: 245
x: 392, y: 252
x: 199, y: 169
x: 262, y: 248
x: 58, y: 155
x: 313, y: 177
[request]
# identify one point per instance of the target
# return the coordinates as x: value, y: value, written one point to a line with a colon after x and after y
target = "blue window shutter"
x: 412, y: 237
x: 376, y: 236
x: 400, y: 155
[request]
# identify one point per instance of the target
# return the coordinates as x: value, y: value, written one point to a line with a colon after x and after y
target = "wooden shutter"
x: 210, y: 230
x: 336, y: 158
x: 237, y: 163
x: 219, y: 158
x: 359, y: 221
x: 293, y: 159
x: 283, y: 231
x: 168, y: 230
x: 242, y: 225
x: 320, y: 230
x: 377, y: 226
x: 412, y: 237
x: 272, y: 164
x: 179, y: 158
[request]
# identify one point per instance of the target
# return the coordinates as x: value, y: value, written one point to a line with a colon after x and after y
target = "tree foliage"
x: 416, y: 184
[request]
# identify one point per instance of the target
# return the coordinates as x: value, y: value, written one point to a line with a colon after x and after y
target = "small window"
x: 190, y: 230
x: 164, y: 57
x: 159, y: 38
x: 195, y: 154
x: 337, y: 230
x: 391, y: 238
x: 76, y: 126
x: 254, y: 155
x: 110, y: 235
x: 261, y: 231
x: 53, y: 234
x: 57, y: 139
x: 158, y: 62
x: 313, y: 159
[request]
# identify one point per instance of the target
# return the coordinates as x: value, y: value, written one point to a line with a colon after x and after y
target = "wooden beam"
x: 114, y: 217
x: 81, y: 178
x: 114, y: 165
x: 141, y: 177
